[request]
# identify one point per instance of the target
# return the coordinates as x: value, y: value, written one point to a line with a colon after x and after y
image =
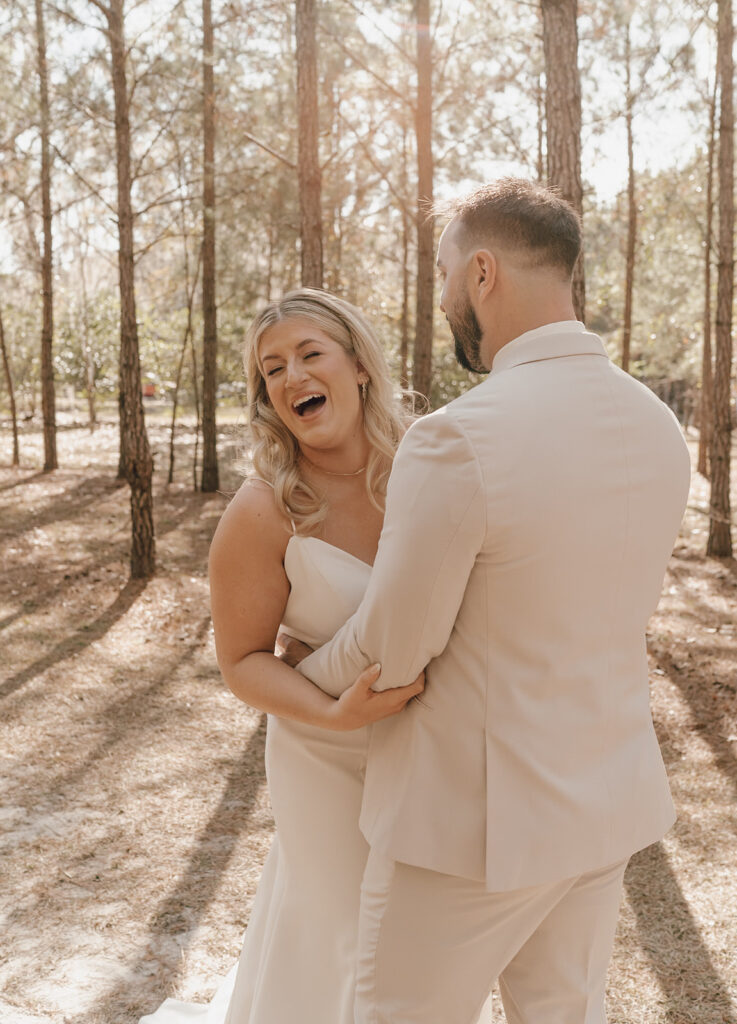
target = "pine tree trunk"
x: 333, y: 199
x: 198, y: 418
x: 308, y: 157
x: 540, y: 162
x: 422, y: 354
x: 720, y: 537
x: 404, y: 320
x: 48, y: 397
x: 629, y: 279
x: 210, y: 475
x: 707, y: 376
x: 89, y: 363
x: 190, y: 288
x: 175, y: 400
x: 11, y: 393
x: 563, y: 114
x: 270, y: 259
x: 90, y: 377
x: 136, y: 453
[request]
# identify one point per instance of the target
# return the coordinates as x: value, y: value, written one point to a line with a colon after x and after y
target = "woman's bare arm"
x: 249, y: 591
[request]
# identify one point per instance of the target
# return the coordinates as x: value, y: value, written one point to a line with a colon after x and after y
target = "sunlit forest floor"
x: 135, y: 817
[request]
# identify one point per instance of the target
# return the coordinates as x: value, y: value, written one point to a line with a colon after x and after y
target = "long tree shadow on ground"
x: 30, y: 478
x: 188, y: 901
x: 68, y: 505
x: 669, y: 937
x: 697, y: 694
x: 682, y: 664
x: 83, y: 637
x: 172, y: 514
x: 138, y: 708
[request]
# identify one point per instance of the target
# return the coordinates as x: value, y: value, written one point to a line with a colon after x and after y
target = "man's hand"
x: 291, y: 651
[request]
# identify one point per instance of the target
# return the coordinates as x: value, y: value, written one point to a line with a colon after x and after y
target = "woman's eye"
x: 311, y: 354
x: 270, y: 373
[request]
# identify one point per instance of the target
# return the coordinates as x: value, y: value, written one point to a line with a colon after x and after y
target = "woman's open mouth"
x: 309, y: 405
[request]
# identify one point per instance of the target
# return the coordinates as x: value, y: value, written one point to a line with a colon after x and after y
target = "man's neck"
x: 519, y: 325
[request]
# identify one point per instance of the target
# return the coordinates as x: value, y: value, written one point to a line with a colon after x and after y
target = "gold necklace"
x: 330, y: 472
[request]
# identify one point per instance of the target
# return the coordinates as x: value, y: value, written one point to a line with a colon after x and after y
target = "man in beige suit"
x: 528, y: 526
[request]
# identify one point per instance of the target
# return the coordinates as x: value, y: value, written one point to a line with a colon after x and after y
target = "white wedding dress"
x: 298, y: 958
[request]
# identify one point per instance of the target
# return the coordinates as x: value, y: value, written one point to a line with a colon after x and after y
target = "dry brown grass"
x: 135, y: 816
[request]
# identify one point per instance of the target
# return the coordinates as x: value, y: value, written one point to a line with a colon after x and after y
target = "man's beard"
x: 466, y: 331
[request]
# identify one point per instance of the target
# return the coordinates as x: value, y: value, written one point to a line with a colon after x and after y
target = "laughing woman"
x: 294, y: 551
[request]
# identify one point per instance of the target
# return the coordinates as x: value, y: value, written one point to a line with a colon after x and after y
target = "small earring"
x: 364, y: 389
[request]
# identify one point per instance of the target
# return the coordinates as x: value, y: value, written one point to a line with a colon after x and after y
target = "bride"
x: 294, y: 551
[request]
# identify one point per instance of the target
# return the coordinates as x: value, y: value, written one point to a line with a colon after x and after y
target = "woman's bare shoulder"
x: 252, y: 518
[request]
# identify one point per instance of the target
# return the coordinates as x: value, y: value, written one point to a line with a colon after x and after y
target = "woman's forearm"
x: 264, y: 682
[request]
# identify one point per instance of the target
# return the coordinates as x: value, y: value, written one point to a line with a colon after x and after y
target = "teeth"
x: 306, y: 398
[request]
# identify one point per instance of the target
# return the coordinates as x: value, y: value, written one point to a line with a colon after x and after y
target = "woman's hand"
x: 359, y: 705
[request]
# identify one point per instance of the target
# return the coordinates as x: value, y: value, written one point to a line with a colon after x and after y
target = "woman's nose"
x: 295, y: 371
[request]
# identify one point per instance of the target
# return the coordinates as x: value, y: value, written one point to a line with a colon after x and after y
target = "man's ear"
x: 482, y: 269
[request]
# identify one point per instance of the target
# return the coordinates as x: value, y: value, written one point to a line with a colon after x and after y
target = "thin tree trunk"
x: 707, y: 376
x: 198, y: 419
x: 540, y: 165
x: 90, y: 375
x: 422, y: 354
x: 11, y: 393
x: 136, y: 452
x: 308, y: 158
x: 270, y: 255
x: 332, y: 200
x: 89, y: 363
x: 629, y: 279
x: 48, y: 397
x: 190, y: 289
x: 175, y: 396
x: 210, y: 474
x: 404, y: 320
x: 337, y: 213
x: 563, y: 115
x: 175, y: 401
x: 720, y: 536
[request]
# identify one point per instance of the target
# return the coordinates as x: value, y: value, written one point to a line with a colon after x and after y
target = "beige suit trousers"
x: 432, y: 945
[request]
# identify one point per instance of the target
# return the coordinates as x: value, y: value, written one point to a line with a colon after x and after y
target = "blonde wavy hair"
x: 275, y: 451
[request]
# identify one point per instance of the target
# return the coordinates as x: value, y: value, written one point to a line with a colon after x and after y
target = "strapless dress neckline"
x: 334, y: 547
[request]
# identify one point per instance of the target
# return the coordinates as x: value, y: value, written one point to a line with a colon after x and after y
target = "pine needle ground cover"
x: 135, y: 818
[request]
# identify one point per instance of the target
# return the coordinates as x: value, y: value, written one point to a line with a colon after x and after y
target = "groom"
x: 528, y: 527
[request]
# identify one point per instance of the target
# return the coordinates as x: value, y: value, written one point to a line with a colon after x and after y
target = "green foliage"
x: 449, y: 379
x: 669, y: 297
x: 88, y: 335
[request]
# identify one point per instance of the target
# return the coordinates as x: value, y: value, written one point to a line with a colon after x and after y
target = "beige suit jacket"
x: 528, y: 527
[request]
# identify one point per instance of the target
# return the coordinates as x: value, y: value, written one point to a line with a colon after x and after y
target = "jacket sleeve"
x: 433, y: 530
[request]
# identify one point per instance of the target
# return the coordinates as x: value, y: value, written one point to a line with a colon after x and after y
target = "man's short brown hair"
x: 520, y: 215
